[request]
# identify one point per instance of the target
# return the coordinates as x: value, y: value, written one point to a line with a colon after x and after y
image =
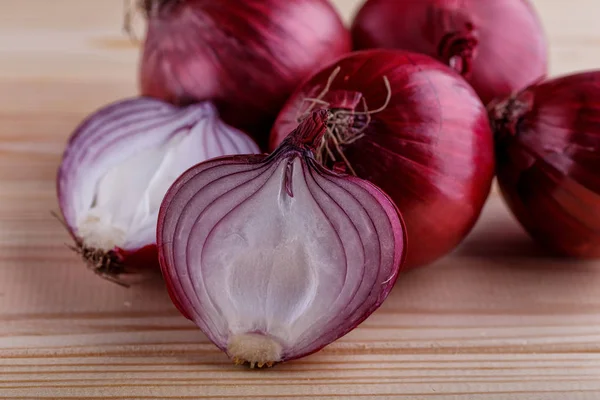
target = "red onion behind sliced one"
x: 426, y: 140
x: 548, y: 152
x: 498, y: 45
x: 245, y: 56
x: 274, y: 257
x: 117, y: 167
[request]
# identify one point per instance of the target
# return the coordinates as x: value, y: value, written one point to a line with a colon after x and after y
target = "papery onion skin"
x: 498, y: 45
x: 245, y: 56
x: 430, y: 149
x: 548, y: 154
x: 117, y: 132
x: 189, y: 200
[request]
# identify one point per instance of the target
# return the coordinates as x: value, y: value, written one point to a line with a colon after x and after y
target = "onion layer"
x: 117, y: 167
x: 497, y: 45
x: 245, y: 56
x: 414, y: 128
x: 548, y: 151
x: 274, y: 257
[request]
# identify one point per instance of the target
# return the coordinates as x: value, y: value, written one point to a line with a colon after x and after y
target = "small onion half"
x: 118, y: 165
x: 274, y: 257
x: 548, y: 152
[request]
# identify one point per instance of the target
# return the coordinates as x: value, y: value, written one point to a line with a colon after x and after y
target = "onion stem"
x: 341, y: 126
x: 106, y: 264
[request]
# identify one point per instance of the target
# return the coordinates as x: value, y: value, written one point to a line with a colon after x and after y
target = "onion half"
x: 414, y: 128
x: 118, y: 165
x: 274, y: 257
x: 548, y: 152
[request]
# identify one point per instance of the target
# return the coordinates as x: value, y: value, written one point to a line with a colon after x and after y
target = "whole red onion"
x: 245, y: 56
x: 497, y: 45
x: 413, y: 127
x: 274, y: 257
x: 117, y: 167
x: 548, y: 152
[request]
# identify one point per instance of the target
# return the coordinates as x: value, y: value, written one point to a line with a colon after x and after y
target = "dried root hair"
x: 343, y: 128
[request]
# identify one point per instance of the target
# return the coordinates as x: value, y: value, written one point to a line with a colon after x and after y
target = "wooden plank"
x: 496, y: 320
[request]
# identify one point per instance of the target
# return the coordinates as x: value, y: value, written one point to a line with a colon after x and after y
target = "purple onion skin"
x: 298, y: 146
x: 431, y: 149
x: 548, y: 153
x: 245, y: 56
x: 498, y: 45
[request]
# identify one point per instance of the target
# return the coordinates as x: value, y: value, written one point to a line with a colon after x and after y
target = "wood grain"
x: 496, y: 320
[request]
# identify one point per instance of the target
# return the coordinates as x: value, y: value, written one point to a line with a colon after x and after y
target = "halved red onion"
x: 118, y: 165
x: 274, y: 257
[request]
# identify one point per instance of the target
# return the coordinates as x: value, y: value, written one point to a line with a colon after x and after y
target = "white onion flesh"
x: 121, y: 161
x: 274, y: 258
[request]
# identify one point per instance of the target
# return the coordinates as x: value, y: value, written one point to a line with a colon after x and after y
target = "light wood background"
x: 496, y: 320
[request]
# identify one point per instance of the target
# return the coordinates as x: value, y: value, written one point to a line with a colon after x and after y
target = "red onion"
x: 274, y: 257
x: 117, y: 167
x: 548, y: 152
x: 246, y: 56
x: 413, y: 127
x: 498, y: 45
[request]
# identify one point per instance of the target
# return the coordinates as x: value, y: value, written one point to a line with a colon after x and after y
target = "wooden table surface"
x: 496, y: 320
